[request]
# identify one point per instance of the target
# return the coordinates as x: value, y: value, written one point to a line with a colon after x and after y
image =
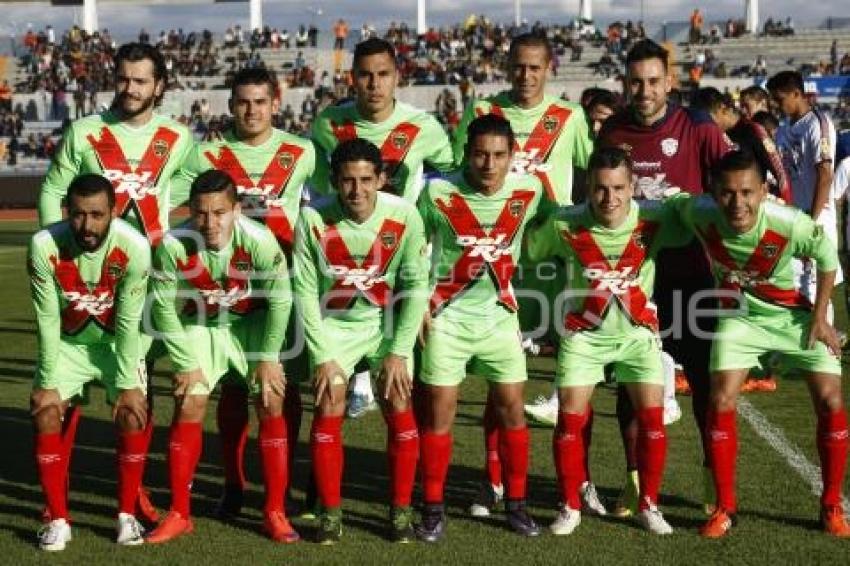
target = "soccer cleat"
x: 171, y: 527
x: 709, y: 495
x: 591, y: 503
x: 330, y: 527
x: 401, y: 519
x: 358, y: 404
x: 834, y: 522
x: 672, y: 411
x: 566, y: 521
x: 230, y: 504
x: 53, y: 536
x: 767, y: 385
x: 130, y: 530
x: 488, y: 497
x: 718, y: 525
x: 277, y: 526
x: 519, y: 519
x: 544, y: 410
x: 682, y: 385
x: 432, y: 526
x: 653, y: 521
x: 145, y: 507
x: 627, y: 502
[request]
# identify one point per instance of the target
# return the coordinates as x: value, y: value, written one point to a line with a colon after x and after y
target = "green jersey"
x: 88, y: 297
x: 551, y: 139
x: 269, y: 177
x: 759, y: 262
x: 610, y: 271
x: 477, y: 241
x: 138, y: 161
x: 408, y: 139
x: 354, y: 274
x: 245, y: 282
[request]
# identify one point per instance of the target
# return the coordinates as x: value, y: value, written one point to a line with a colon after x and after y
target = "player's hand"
x: 184, y: 381
x: 325, y: 376
x: 822, y: 331
x: 134, y: 402
x: 271, y: 379
x: 425, y: 329
x: 43, y: 399
x: 396, y: 378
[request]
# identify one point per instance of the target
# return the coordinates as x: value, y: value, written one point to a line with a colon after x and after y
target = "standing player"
x: 751, y: 244
x: 475, y: 218
x: 269, y: 167
x: 610, y: 245
x: 754, y: 99
x: 553, y: 143
x: 360, y: 257
x: 221, y: 304
x: 669, y: 148
x: 138, y: 151
x: 88, y: 277
x: 409, y: 139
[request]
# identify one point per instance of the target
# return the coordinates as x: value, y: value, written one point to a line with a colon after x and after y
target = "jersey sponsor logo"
x: 488, y: 248
x: 233, y: 294
x: 363, y: 279
x: 225, y: 298
x: 669, y: 146
x: 90, y: 303
x: 617, y: 281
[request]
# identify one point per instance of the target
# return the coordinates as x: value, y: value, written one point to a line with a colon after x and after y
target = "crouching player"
x: 751, y: 243
x: 88, y: 277
x: 609, y: 245
x: 361, y: 284
x: 221, y: 303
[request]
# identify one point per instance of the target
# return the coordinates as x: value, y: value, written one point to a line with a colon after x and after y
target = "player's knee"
x: 272, y: 408
x: 192, y: 408
x: 723, y: 399
x: 829, y: 402
x: 512, y: 412
x: 47, y: 420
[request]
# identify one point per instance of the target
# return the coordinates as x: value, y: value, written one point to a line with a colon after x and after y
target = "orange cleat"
x: 682, y: 385
x: 750, y: 384
x: 279, y: 529
x: 718, y: 525
x: 768, y: 384
x: 173, y: 526
x: 834, y: 522
x: 145, y: 508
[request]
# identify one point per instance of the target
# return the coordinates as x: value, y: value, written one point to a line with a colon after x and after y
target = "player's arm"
x: 582, y: 150
x: 412, y: 280
x: 440, y: 155
x: 823, y: 183
x: 270, y: 269
x: 165, y: 288
x: 541, y: 240
x: 320, y: 181
x: 48, y: 317
x: 63, y: 168
x: 181, y: 182
x: 770, y: 159
x: 130, y: 303
x: 305, y: 288
x: 714, y: 144
x: 459, y: 143
x: 677, y: 228
x: 821, y: 138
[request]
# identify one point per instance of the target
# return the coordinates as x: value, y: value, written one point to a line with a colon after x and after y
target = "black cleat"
x: 433, y: 524
x: 330, y: 527
x: 401, y: 519
x: 519, y: 519
x: 230, y: 504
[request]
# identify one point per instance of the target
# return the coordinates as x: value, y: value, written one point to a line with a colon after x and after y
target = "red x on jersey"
x: 234, y: 295
x: 607, y: 283
x: 84, y: 304
x: 482, y: 250
x: 369, y: 277
x: 395, y: 147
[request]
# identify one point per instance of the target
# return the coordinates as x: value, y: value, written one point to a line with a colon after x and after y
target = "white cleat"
x: 359, y: 404
x: 653, y: 521
x: 591, y: 503
x: 489, y: 496
x: 543, y: 410
x: 672, y: 411
x: 566, y: 521
x: 53, y: 536
x: 130, y: 530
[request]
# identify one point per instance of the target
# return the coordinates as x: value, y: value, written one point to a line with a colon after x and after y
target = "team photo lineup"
x: 644, y: 244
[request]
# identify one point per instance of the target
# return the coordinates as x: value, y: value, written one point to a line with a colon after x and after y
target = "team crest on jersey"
x: 286, y: 159
x: 160, y: 148
x: 669, y: 146
x: 770, y: 250
x: 399, y: 140
x: 550, y: 124
x: 769, y: 146
x: 242, y: 265
x: 639, y: 241
x: 115, y: 270
x: 515, y: 208
x: 388, y: 240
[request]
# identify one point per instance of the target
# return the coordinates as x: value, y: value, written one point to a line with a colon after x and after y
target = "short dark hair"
x: 255, y: 76
x: 372, y: 46
x: 766, y: 120
x: 530, y: 40
x: 212, y: 181
x: 90, y: 184
x: 609, y: 157
x: 735, y: 160
x: 357, y: 149
x: 755, y: 92
x: 786, y: 81
x: 490, y: 124
x: 135, y: 52
x: 711, y: 99
x: 605, y: 98
x: 644, y: 50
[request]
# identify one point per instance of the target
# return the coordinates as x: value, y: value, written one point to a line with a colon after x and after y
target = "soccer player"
x: 137, y: 150
x: 88, y: 278
x: 221, y: 303
x: 475, y: 218
x: 754, y: 99
x: 269, y: 167
x: 751, y: 243
x: 669, y: 148
x: 409, y: 139
x: 360, y: 258
x: 609, y: 245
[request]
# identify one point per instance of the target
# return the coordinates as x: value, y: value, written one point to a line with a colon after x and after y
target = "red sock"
x: 327, y: 454
x: 569, y: 454
x: 292, y: 411
x: 832, y: 447
x: 588, y: 434
x: 52, y: 472
x: 513, y: 448
x: 131, y: 452
x: 723, y: 443
x: 184, y: 451
x: 233, y: 419
x: 652, y: 452
x: 436, y: 455
x: 403, y: 453
x: 273, y: 456
x: 69, y: 432
x: 491, y: 445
